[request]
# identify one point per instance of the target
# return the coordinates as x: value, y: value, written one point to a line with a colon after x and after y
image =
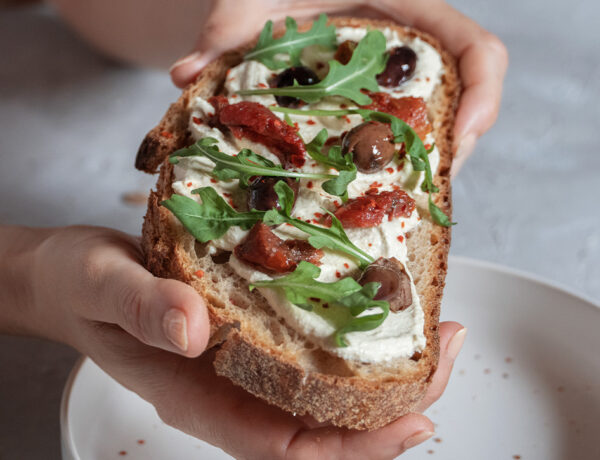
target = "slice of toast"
x: 258, y: 351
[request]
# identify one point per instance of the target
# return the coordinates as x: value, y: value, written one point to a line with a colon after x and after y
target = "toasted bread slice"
x: 258, y: 351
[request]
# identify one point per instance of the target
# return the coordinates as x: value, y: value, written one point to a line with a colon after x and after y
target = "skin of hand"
x: 482, y: 57
x: 86, y: 287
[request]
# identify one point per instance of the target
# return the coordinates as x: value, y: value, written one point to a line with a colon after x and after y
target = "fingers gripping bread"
x: 256, y: 349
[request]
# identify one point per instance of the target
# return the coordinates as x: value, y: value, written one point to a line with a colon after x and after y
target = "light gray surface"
x: 71, y: 121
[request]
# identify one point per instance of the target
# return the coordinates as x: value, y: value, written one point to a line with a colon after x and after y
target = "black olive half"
x: 371, y: 144
x: 262, y: 195
x: 303, y: 75
x: 395, y: 282
x: 399, y: 68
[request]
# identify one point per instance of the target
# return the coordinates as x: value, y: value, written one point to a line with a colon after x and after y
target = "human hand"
x: 85, y: 287
x: 482, y: 58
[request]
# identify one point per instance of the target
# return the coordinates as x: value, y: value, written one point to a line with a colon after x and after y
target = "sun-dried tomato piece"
x: 345, y: 51
x: 412, y: 110
x: 270, y: 254
x: 370, y: 209
x: 257, y: 123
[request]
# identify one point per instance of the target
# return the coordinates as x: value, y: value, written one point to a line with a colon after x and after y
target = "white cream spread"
x: 401, y: 334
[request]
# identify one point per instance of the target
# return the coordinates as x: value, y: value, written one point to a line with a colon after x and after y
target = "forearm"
x: 18, y: 246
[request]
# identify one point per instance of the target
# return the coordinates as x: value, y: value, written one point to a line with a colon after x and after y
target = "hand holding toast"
x: 84, y: 286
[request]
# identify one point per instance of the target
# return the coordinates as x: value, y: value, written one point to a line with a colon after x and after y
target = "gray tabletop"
x: 71, y: 121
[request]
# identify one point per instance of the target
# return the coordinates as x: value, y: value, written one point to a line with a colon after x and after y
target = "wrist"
x: 18, y: 248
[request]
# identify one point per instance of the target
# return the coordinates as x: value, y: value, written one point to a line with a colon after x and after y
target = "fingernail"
x: 417, y: 439
x: 175, y: 328
x: 184, y: 60
x: 456, y: 343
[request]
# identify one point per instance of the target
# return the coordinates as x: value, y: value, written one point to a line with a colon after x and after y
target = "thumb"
x: 163, y: 313
x: 221, y: 32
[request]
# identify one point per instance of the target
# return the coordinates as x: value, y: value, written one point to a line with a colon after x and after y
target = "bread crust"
x: 353, y: 395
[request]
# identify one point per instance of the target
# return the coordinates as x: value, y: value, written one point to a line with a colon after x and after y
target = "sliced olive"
x: 303, y: 75
x: 262, y: 195
x: 399, y: 68
x: 395, y: 282
x: 371, y: 144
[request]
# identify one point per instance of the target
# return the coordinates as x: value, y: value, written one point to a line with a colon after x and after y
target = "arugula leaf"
x: 347, y: 80
x: 438, y: 215
x: 357, y: 303
x: 333, y: 237
x: 211, y: 219
x: 291, y: 43
x: 247, y: 164
x: 417, y: 153
x: 335, y: 159
x: 301, y: 287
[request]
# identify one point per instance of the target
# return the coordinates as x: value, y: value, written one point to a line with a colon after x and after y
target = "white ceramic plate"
x: 526, y: 385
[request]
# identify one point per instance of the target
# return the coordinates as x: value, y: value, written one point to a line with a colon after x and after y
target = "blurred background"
x: 71, y: 121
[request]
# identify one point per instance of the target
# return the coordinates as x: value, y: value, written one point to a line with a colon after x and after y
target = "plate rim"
x: 68, y: 443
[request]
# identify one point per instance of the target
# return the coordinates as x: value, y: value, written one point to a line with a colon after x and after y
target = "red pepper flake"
x: 427, y: 146
x: 325, y: 305
x: 230, y: 201
x: 166, y: 134
x: 189, y: 184
x: 370, y: 244
x: 122, y: 453
x: 372, y: 191
x: 318, y: 215
x: 234, y: 96
x: 314, y: 165
x: 199, y: 273
x: 228, y: 70
x: 346, y: 265
x: 310, y: 122
x: 228, y: 195
x: 262, y: 85
x: 213, y: 180
x: 141, y: 441
x: 400, y: 167
x: 376, y: 184
x: 401, y: 239
x: 417, y: 79
x: 337, y: 204
x: 343, y: 106
x: 427, y: 78
x: 288, y: 224
x: 273, y: 74
x: 197, y: 120
x: 402, y: 225
x: 390, y: 170
x: 395, y: 187
x: 309, y: 184
x: 347, y: 118
x: 338, y: 274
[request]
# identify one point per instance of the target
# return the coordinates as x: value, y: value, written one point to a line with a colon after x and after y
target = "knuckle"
x: 131, y: 306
